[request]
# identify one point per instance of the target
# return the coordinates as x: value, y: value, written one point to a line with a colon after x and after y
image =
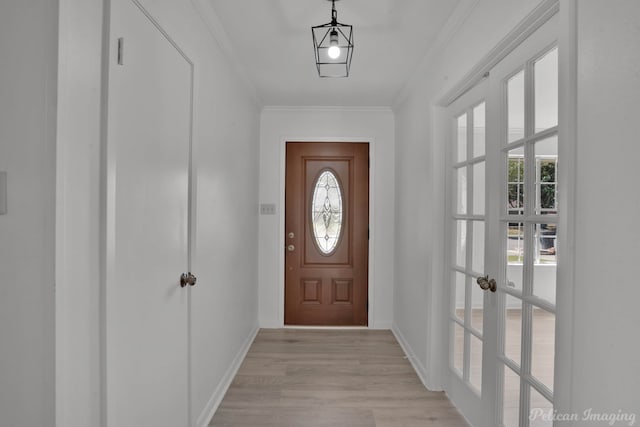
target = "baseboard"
x: 417, y: 365
x: 269, y: 324
x: 223, y: 386
x: 381, y: 325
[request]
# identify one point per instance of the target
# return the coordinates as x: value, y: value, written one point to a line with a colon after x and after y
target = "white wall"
x: 78, y: 246
x: 606, y: 348
x: 475, y: 29
x: 294, y: 124
x: 225, y: 258
x: 29, y: 50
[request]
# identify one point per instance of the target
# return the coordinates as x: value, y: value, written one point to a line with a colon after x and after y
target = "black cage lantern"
x: 333, y: 46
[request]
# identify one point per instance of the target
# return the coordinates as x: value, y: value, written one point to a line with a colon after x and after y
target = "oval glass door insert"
x: 327, y: 212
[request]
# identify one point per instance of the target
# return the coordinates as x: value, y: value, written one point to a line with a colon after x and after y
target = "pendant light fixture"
x: 333, y: 46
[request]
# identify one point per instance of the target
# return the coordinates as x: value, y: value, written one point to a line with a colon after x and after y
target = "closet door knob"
x: 187, y: 279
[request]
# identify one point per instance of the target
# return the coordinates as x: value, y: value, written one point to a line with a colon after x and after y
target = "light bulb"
x: 334, y: 52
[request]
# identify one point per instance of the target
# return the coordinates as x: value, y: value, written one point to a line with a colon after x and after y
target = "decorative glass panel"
x: 327, y: 212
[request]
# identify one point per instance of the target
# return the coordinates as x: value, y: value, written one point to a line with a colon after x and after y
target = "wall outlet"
x: 267, y: 209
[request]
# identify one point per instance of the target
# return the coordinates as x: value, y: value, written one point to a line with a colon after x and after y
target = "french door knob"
x: 486, y: 283
x: 187, y: 279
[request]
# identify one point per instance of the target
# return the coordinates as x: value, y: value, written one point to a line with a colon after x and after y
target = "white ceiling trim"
x: 216, y: 29
x: 366, y: 109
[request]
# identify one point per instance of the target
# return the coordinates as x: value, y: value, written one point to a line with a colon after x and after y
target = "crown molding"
x: 363, y: 109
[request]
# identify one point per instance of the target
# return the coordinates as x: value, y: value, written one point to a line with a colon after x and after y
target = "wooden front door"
x: 327, y: 227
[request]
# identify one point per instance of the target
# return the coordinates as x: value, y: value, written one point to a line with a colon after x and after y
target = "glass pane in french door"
x: 511, y: 404
x: 528, y: 226
x: 468, y: 246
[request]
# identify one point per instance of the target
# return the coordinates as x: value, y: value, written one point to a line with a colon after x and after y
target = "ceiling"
x: 271, y: 41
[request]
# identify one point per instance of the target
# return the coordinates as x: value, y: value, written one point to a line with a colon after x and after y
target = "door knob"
x: 291, y: 248
x: 187, y: 279
x: 486, y: 283
x: 291, y: 235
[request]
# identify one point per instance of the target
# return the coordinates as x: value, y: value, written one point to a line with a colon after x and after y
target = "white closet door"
x: 147, y: 223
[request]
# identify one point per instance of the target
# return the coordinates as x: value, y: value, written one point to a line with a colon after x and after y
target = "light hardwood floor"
x: 331, y: 378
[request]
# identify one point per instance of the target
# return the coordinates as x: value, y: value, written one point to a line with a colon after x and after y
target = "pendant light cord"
x: 334, y: 13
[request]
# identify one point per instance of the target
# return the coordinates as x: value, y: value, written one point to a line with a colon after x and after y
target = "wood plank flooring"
x: 294, y: 377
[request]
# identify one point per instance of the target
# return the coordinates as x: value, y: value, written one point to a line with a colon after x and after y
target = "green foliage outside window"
x: 548, y: 191
x: 516, y: 183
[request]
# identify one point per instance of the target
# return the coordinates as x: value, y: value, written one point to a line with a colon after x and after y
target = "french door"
x: 503, y: 216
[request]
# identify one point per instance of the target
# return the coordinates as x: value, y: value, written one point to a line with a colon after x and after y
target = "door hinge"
x: 121, y: 51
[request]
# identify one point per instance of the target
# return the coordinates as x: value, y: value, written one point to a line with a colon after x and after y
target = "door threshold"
x: 330, y: 328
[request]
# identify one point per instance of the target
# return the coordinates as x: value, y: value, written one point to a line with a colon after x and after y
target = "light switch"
x: 3, y: 193
x: 267, y: 209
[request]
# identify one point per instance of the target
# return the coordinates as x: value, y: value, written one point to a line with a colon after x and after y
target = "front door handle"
x: 486, y: 283
x: 187, y: 279
x: 291, y: 248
